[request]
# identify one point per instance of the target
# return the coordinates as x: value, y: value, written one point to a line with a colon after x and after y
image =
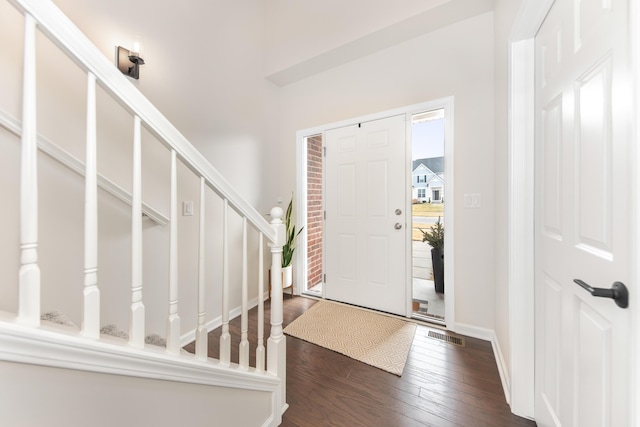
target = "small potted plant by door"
x: 435, y: 237
x: 289, y: 247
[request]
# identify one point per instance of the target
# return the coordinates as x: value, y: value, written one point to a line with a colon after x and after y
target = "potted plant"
x: 289, y: 247
x: 435, y: 237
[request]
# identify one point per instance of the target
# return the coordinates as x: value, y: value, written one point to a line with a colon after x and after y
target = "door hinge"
x: 324, y: 278
x: 325, y: 215
x: 324, y: 151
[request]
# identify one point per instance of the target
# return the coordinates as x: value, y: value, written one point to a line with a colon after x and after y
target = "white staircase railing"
x: 72, y: 163
x: 44, y: 16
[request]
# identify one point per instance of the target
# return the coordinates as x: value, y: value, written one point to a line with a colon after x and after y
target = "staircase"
x: 60, y: 374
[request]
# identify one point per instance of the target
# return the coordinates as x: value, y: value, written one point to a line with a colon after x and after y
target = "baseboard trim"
x: 216, y: 322
x: 502, y: 368
x: 474, y: 331
x: 490, y: 335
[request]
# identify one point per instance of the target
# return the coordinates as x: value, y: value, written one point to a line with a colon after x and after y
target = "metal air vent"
x: 446, y: 338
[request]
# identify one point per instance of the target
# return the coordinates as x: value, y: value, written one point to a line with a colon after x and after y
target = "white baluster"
x: 277, y: 343
x: 91, y: 293
x: 29, y: 275
x: 225, y: 337
x: 243, y: 359
x: 136, y: 315
x: 260, y: 348
x: 173, y: 321
x: 202, y: 336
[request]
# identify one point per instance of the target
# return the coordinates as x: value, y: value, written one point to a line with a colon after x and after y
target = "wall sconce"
x: 128, y: 62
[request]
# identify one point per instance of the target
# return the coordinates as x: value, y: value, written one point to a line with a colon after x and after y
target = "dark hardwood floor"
x: 442, y: 384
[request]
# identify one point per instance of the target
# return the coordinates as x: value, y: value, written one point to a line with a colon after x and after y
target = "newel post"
x: 277, y: 344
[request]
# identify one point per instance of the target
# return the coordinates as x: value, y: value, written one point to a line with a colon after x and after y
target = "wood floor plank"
x: 442, y: 384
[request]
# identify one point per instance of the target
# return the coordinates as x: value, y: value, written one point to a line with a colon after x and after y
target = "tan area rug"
x: 372, y: 338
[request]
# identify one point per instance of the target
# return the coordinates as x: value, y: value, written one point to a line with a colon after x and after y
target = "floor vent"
x: 447, y: 338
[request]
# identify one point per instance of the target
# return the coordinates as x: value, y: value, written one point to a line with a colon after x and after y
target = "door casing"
x: 300, y: 261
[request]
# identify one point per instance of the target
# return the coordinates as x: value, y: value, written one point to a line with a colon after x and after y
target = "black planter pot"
x: 437, y: 259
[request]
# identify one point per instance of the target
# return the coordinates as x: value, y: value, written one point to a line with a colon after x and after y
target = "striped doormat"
x: 375, y: 339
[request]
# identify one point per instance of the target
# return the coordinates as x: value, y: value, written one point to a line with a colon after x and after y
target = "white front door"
x: 583, y: 214
x: 365, y: 226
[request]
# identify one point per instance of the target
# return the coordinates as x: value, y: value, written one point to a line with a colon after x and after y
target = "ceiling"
x: 307, y: 37
x: 213, y: 67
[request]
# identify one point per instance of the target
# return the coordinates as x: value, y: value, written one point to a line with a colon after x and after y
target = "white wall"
x: 242, y: 123
x: 454, y: 61
x: 34, y: 396
x: 204, y: 71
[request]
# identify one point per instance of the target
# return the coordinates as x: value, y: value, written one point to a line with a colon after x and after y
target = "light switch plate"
x: 187, y: 208
x: 472, y: 201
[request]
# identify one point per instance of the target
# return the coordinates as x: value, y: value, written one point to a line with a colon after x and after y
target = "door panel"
x: 593, y: 359
x: 583, y: 205
x: 550, y: 388
x: 552, y: 174
x: 365, y: 174
x: 593, y: 159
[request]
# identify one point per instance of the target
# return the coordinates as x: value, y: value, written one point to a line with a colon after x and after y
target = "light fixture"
x: 128, y: 62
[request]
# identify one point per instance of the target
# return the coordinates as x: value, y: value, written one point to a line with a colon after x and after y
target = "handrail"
x: 63, y: 157
x: 78, y: 47
x: 43, y: 14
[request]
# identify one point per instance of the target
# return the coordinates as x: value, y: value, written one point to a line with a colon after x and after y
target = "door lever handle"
x: 618, y: 292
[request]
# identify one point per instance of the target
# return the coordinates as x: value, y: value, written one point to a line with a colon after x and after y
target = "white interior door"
x: 583, y: 207
x: 365, y: 226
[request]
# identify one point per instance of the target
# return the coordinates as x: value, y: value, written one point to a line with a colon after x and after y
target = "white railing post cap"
x: 276, y: 215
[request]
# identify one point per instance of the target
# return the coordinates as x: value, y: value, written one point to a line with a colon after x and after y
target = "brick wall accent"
x: 314, y: 210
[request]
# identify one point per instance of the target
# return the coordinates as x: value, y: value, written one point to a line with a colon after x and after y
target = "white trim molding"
x: 40, y: 346
x: 521, y: 205
x: 635, y: 216
x: 520, y: 228
x: 216, y: 322
x: 446, y: 103
x: 503, y: 368
x: 487, y: 334
x: 66, y: 159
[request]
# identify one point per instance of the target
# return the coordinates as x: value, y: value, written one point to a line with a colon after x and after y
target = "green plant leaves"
x: 434, y: 236
x: 290, y: 232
